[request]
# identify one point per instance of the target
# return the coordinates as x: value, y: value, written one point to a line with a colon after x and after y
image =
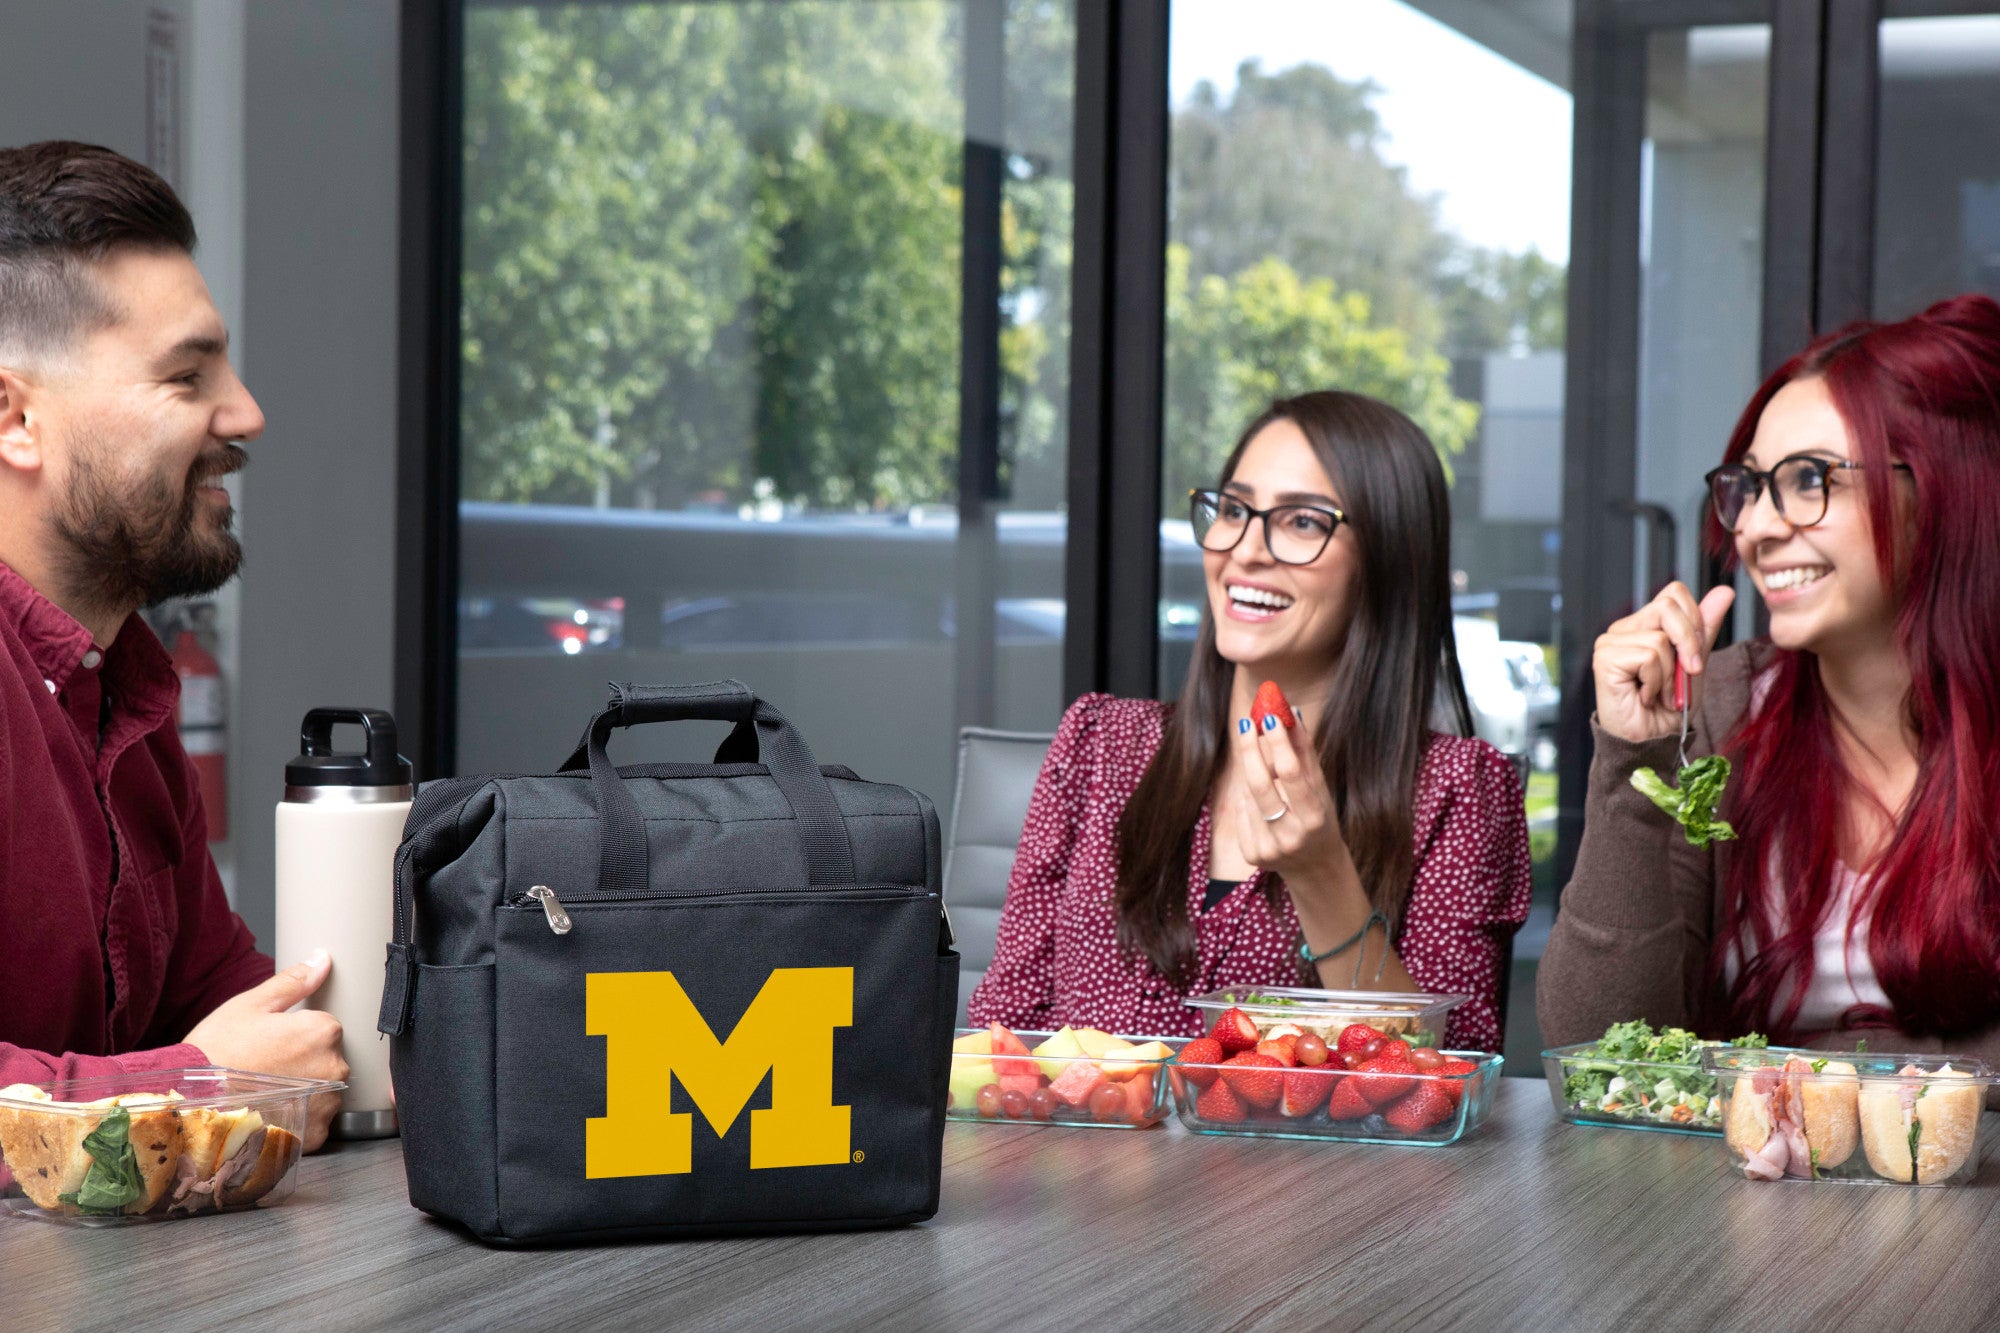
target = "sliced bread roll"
x: 1945, y: 1118
x: 1831, y: 1100
x: 43, y: 1150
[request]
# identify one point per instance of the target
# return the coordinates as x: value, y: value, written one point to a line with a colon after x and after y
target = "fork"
x: 1681, y: 702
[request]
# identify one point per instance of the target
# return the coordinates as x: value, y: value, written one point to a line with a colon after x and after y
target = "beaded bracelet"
x: 1311, y: 959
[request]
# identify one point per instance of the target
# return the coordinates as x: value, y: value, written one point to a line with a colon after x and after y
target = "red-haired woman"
x: 1861, y: 491
x: 1173, y: 850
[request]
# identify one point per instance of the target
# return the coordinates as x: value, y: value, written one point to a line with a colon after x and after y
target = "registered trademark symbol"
x: 858, y: 1154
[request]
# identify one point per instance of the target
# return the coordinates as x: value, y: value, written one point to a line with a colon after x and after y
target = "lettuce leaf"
x: 1694, y: 802
x: 113, y: 1179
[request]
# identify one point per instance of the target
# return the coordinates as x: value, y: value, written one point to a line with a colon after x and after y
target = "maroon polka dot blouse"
x: 1057, y: 958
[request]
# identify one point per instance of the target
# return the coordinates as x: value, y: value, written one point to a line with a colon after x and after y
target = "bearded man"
x: 120, y: 415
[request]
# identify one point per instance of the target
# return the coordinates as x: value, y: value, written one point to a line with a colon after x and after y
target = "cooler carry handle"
x: 624, y: 860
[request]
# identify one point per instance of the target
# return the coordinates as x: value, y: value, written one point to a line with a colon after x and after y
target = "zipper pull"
x: 559, y: 922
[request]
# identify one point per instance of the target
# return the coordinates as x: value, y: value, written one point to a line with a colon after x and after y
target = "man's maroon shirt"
x: 115, y: 935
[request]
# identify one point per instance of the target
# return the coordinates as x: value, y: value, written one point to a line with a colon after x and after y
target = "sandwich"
x: 1795, y: 1119
x: 1923, y: 1126
x: 140, y: 1153
x: 232, y: 1158
x: 118, y: 1157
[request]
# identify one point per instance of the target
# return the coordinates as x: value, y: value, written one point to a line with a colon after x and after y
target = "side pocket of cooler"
x: 442, y: 1064
x: 944, y: 1018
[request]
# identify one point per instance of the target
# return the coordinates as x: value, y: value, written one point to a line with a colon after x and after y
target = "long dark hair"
x: 1922, y: 392
x: 1372, y: 726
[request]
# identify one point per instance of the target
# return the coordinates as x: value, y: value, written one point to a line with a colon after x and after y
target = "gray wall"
x: 318, y: 525
x: 289, y: 159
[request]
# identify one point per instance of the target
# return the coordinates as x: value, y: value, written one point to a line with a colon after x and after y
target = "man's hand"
x: 255, y: 1032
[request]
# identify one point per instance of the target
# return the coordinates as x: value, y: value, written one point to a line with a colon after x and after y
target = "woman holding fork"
x: 1861, y: 889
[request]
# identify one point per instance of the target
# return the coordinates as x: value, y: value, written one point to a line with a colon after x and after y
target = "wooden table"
x: 1529, y: 1223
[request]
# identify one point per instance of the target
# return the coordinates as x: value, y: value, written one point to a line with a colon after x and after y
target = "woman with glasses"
x: 1861, y: 494
x: 1175, y: 849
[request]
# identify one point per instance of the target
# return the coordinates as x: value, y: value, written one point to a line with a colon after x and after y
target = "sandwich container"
x: 1319, y: 1091
x: 1073, y: 1090
x: 202, y: 1141
x: 1868, y: 1118
x: 1416, y: 1018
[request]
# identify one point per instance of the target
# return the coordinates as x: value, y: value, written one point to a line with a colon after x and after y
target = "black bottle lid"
x: 317, y: 765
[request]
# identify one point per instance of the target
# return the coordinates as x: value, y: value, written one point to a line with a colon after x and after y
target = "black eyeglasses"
x: 1800, y: 485
x: 1293, y: 534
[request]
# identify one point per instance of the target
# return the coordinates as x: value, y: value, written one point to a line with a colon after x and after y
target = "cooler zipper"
x: 560, y: 923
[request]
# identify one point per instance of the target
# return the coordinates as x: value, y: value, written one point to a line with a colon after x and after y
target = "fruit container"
x: 1589, y: 1089
x: 1852, y: 1118
x: 149, y: 1147
x: 1330, y: 1102
x: 1417, y: 1018
x: 1077, y: 1077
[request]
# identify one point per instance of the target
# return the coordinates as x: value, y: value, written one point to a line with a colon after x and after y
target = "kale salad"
x: 1635, y: 1076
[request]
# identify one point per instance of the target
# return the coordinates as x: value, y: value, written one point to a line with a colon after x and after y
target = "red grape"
x: 1042, y: 1104
x: 1108, y: 1102
x: 1426, y: 1058
x: 1014, y: 1102
x: 1373, y: 1048
x: 988, y: 1100
x: 1310, y: 1049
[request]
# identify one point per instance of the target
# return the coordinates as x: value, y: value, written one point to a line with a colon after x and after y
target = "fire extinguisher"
x: 202, y: 730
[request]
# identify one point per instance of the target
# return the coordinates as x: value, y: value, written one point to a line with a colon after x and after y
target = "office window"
x: 745, y: 286
x: 1937, y: 172
x: 1366, y: 198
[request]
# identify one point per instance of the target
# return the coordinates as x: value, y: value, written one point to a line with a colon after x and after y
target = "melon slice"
x: 1054, y: 1054
x: 1136, y: 1059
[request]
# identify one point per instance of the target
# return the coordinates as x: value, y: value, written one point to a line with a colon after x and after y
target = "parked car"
x: 1514, y: 702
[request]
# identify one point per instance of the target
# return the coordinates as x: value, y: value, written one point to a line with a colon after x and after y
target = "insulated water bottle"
x: 338, y: 829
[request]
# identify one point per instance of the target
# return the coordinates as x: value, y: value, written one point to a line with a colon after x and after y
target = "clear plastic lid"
x: 1393, y: 1012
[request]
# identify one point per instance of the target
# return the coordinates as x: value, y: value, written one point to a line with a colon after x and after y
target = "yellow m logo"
x: 653, y: 1033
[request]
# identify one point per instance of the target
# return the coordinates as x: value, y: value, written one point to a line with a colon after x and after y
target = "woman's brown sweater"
x: 1638, y: 917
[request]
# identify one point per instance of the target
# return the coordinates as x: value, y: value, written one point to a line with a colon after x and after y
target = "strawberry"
x: 1397, y: 1051
x: 1347, y: 1102
x: 1306, y: 1090
x: 1271, y: 702
x: 1354, y: 1036
x: 1283, y: 1030
x: 1235, y: 1031
x: 1255, y: 1078
x: 1201, y: 1051
x: 1280, y: 1049
x: 1451, y: 1078
x: 1385, y: 1086
x: 1429, y: 1105
x: 1219, y: 1103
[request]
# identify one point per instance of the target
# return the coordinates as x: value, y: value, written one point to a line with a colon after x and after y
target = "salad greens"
x: 1634, y: 1073
x: 1693, y: 802
x: 113, y: 1179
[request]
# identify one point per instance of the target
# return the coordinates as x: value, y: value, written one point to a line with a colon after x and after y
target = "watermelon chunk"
x: 1006, y: 1043
x: 1078, y: 1081
x: 1139, y: 1098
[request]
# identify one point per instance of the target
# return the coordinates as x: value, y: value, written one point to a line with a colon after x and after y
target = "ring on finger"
x: 1283, y: 810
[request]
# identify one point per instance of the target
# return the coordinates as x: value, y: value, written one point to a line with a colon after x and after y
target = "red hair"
x: 1924, y: 392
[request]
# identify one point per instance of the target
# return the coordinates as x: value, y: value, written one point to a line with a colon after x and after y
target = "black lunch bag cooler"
x: 671, y: 999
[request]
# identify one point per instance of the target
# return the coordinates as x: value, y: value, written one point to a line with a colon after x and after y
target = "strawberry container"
x: 1330, y: 1102
x: 1076, y: 1077
x: 149, y: 1147
x: 1853, y: 1118
x: 1415, y: 1017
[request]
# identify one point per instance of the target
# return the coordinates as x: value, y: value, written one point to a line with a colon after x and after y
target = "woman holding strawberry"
x: 1292, y: 818
x: 1855, y: 881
